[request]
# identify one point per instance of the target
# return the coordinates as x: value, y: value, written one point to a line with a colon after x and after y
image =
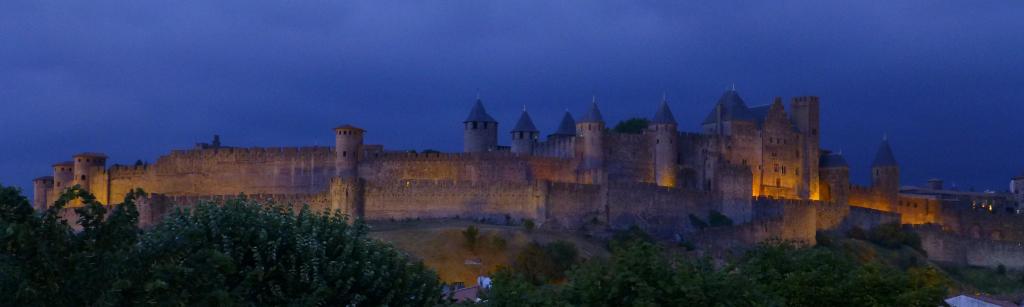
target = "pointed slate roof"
x: 478, y: 114
x: 664, y: 114
x: 567, y: 127
x: 832, y: 160
x: 884, y: 155
x: 594, y: 115
x: 733, y: 108
x: 525, y: 124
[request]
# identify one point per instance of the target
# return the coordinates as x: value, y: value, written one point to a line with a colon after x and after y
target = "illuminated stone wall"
x: 229, y: 171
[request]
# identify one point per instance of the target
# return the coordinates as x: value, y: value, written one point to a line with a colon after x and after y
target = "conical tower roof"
x: 884, y: 155
x: 525, y: 124
x: 733, y: 108
x: 567, y: 127
x: 593, y: 115
x: 664, y: 114
x: 478, y: 114
x: 832, y: 160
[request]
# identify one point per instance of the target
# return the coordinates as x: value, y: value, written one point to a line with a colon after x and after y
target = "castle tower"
x: 87, y: 165
x: 63, y: 175
x: 348, y: 143
x: 566, y: 128
x: 590, y: 129
x: 1017, y: 188
x: 806, y: 117
x: 730, y: 113
x: 41, y: 188
x: 524, y: 135
x: 480, y: 131
x: 663, y: 128
x: 835, y: 178
x: 90, y: 170
x: 885, y: 173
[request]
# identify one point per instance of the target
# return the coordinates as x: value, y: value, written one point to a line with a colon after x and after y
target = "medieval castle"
x: 760, y: 166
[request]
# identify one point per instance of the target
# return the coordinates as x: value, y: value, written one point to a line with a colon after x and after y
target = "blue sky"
x: 136, y: 79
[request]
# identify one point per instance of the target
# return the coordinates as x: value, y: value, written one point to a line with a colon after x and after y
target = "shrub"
x: 529, y: 225
x: 697, y: 222
x: 716, y: 219
x: 471, y: 234
x: 893, y: 235
x: 499, y: 243
x: 544, y: 263
x: 633, y: 234
x: 856, y: 232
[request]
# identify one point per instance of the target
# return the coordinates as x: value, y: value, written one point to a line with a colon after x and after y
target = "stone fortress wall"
x: 760, y: 166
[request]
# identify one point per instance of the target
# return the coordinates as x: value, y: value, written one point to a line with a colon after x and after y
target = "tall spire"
x: 478, y: 113
x: 567, y: 127
x: 884, y: 156
x: 594, y: 115
x: 525, y: 124
x: 664, y: 114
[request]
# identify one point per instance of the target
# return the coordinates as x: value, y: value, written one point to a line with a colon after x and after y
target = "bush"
x: 529, y: 225
x: 471, y: 234
x: 499, y: 243
x: 893, y: 235
x: 697, y: 222
x: 856, y: 232
x: 716, y: 219
x: 544, y: 263
x: 633, y: 234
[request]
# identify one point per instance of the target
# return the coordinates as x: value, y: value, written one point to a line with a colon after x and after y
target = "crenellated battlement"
x: 248, y: 153
x: 442, y: 156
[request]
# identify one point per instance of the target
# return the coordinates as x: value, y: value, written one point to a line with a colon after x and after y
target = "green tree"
x: 241, y: 253
x: 540, y: 264
x: 634, y: 125
x: 245, y: 253
x: 43, y: 261
x: 472, y: 235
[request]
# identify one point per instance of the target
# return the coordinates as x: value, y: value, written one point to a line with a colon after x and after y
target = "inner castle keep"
x: 761, y: 166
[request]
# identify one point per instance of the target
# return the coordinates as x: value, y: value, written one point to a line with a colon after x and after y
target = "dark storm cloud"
x: 136, y: 79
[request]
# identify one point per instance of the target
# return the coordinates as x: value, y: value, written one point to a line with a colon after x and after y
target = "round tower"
x: 480, y: 130
x: 663, y: 131
x: 87, y: 166
x: 41, y: 192
x: 590, y: 129
x: 63, y: 175
x: 524, y: 135
x: 348, y: 143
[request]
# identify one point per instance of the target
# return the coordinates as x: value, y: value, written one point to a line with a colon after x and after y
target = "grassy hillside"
x: 442, y: 247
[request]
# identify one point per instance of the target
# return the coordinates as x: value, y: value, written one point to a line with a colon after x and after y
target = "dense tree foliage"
x: 634, y: 125
x: 539, y: 263
x: 640, y: 273
x: 239, y: 253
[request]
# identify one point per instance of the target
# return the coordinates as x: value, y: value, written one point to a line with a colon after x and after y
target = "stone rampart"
x: 664, y: 212
x: 289, y: 170
x: 983, y: 224
x: 427, y: 199
x: 950, y: 247
x: 628, y: 157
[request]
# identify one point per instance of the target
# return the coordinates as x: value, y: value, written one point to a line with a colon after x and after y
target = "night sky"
x: 136, y: 79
